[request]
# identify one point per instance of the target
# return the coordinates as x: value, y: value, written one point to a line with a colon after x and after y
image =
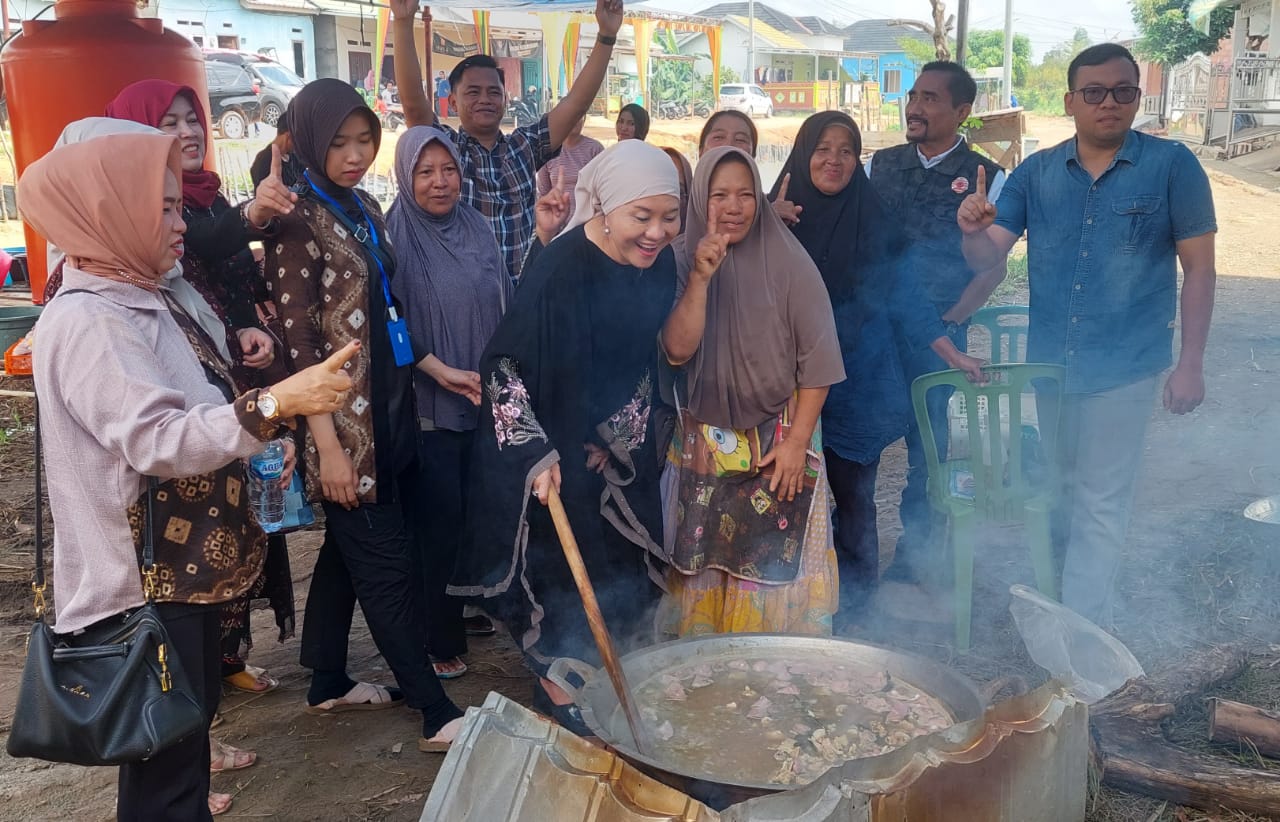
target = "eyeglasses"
x: 1094, y: 95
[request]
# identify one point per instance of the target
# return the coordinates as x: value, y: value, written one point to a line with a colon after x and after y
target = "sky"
x: 1046, y: 22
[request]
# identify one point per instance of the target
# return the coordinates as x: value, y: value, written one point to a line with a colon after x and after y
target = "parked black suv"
x: 277, y: 84
x: 233, y: 99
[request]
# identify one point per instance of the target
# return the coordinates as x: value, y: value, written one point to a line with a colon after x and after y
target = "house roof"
x: 771, y: 16
x: 769, y: 34
x: 819, y: 26
x: 880, y: 36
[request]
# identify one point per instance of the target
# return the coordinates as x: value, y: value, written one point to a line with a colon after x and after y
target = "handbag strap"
x: 38, y: 584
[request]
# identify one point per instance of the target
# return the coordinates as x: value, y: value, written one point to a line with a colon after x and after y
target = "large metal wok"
x: 602, y: 713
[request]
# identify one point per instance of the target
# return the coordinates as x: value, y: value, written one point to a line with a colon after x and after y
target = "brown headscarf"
x: 100, y: 202
x: 769, y: 329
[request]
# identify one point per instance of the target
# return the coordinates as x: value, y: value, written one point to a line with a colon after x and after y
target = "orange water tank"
x: 57, y: 71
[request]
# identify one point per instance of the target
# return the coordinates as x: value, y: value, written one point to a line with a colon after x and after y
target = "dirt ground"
x: 1196, y: 574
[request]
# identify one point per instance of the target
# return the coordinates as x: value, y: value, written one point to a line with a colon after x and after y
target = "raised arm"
x: 986, y: 245
x: 418, y: 110
x: 561, y: 119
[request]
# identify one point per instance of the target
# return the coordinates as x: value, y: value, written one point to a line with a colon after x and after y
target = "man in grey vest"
x: 923, y: 183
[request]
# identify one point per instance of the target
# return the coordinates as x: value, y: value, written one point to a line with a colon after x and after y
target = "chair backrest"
x: 1006, y: 325
x: 994, y: 475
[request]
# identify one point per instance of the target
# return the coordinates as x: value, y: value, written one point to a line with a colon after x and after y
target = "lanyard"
x: 361, y: 233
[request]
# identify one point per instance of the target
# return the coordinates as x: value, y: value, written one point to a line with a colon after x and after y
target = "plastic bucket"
x: 15, y: 322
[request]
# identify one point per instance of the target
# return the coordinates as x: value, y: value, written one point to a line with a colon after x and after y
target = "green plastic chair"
x: 1006, y: 325
x: 990, y: 483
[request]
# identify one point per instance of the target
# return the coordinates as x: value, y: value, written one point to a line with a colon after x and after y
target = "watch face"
x: 267, y: 405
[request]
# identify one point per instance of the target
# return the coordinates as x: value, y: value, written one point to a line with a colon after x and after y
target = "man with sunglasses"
x: 1108, y: 216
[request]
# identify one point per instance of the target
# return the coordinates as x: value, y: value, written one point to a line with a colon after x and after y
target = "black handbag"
x: 112, y: 694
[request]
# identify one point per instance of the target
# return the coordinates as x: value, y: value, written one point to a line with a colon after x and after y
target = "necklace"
x: 140, y: 282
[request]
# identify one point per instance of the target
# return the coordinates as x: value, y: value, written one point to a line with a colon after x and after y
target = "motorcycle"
x: 391, y: 115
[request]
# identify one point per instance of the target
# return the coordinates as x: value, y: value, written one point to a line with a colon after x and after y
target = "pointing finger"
x: 982, y: 182
x: 782, y: 189
x: 560, y: 179
x: 277, y: 163
x: 337, y: 361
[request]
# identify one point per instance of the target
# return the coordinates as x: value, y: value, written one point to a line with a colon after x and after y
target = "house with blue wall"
x: 897, y: 71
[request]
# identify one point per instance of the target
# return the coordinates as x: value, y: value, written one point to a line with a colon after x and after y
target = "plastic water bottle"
x: 265, y: 494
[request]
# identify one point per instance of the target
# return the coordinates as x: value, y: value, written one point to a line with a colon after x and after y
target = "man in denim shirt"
x: 1108, y: 216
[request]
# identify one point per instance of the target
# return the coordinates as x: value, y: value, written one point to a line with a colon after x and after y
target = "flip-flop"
x: 458, y: 670
x: 225, y: 751
x: 363, y: 697
x: 252, y: 680
x: 435, y: 745
x: 478, y: 625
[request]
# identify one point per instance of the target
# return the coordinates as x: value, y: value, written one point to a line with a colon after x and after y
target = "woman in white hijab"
x: 570, y: 382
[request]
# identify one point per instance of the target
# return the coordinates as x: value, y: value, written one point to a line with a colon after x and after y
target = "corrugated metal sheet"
x: 510, y: 765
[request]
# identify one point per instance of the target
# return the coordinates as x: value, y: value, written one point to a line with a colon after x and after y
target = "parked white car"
x: 748, y: 98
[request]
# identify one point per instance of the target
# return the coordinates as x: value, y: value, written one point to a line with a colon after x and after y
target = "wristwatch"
x: 607, y: 39
x: 268, y: 406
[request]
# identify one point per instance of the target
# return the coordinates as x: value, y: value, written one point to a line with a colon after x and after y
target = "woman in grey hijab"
x: 454, y: 288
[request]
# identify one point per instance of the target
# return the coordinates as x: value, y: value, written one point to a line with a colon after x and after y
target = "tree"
x: 1047, y: 83
x: 917, y: 51
x: 1165, y: 33
x: 986, y: 50
x: 939, y: 30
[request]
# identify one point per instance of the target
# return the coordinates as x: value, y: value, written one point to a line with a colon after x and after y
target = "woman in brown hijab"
x: 125, y: 396
x: 747, y: 520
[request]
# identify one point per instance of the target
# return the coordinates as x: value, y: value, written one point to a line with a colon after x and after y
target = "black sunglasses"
x: 1094, y: 95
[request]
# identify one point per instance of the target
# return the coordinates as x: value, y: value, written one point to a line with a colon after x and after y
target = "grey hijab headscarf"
x: 196, y: 306
x: 451, y: 280
x: 770, y: 328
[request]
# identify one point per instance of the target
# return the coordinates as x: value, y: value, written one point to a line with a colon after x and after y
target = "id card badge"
x: 400, y: 347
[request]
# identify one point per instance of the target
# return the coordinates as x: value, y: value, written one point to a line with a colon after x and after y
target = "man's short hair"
x: 959, y: 82
x: 482, y: 61
x: 1096, y: 56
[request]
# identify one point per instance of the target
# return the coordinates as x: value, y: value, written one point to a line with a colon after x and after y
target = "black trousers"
x: 175, y: 784
x: 444, y: 463
x: 857, y: 539
x: 367, y: 557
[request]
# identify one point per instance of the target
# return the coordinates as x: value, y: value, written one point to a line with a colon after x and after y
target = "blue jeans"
x: 922, y: 527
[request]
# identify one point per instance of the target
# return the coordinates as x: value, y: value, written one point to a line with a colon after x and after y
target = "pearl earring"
x: 606, y: 229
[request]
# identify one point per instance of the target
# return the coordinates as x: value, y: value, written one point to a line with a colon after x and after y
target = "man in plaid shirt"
x: 499, y: 171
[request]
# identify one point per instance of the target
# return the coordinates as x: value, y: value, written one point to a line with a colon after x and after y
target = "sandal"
x: 478, y: 625
x: 252, y: 680
x: 219, y: 803
x: 223, y: 757
x: 363, y: 697
x: 449, y: 668
x: 444, y: 738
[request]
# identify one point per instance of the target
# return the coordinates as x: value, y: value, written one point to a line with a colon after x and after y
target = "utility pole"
x: 751, y: 41
x: 1007, y: 91
x: 962, y: 31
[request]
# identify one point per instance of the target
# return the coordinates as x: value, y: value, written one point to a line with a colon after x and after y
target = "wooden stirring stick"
x: 604, y: 642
